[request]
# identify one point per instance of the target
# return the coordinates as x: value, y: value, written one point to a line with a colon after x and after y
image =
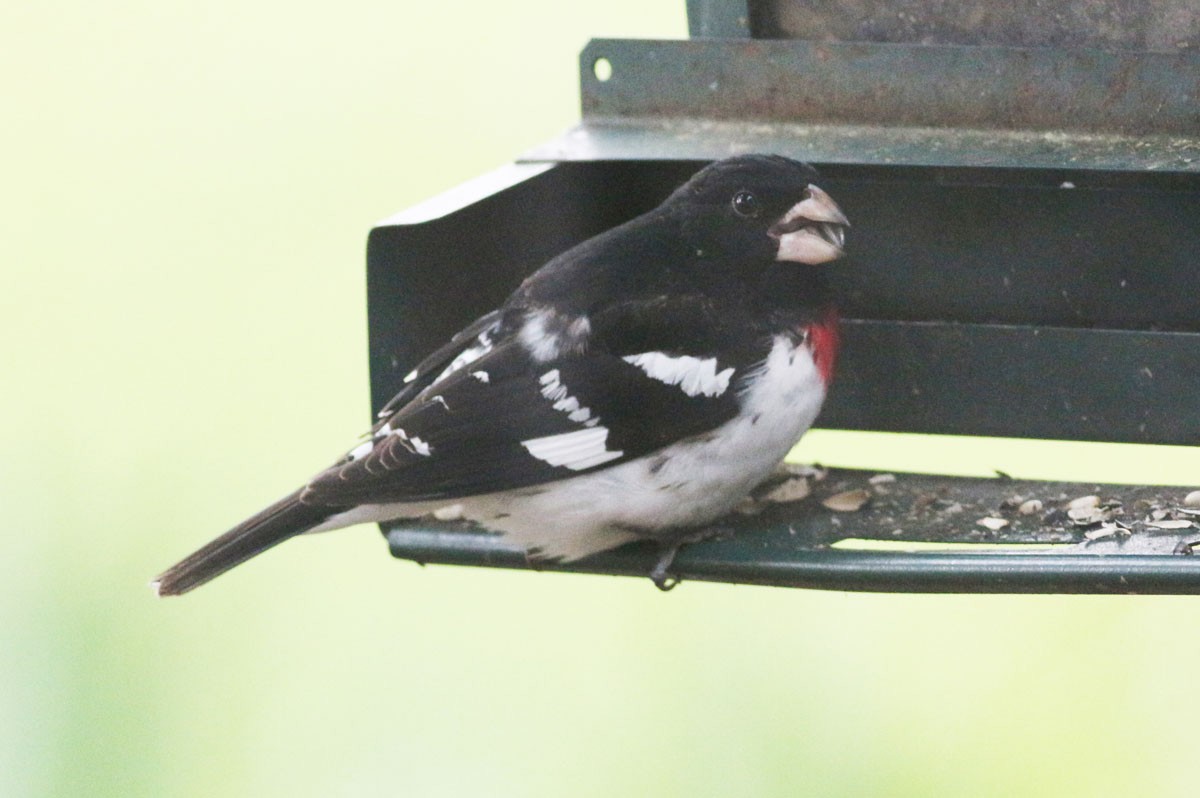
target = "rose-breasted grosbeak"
x: 640, y: 383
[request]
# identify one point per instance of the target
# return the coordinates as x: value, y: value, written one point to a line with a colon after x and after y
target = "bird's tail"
x: 285, y: 518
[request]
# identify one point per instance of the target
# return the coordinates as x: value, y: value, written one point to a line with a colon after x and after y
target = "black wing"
x: 507, y: 421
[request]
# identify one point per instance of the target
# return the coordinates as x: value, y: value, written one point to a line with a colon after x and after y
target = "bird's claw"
x: 658, y: 575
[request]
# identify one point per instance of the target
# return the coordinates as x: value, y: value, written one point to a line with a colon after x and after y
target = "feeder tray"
x: 1024, y: 263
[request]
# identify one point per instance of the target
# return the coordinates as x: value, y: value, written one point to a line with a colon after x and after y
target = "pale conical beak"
x: 812, y: 231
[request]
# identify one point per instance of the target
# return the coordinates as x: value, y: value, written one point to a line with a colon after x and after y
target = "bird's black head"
x: 759, y: 209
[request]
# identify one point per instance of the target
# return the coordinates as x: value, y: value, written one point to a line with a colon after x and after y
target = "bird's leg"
x: 658, y: 575
x: 669, y: 547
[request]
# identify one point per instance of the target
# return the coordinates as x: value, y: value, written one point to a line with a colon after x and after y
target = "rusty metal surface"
x: 1162, y: 25
x: 988, y: 88
x: 887, y: 104
x: 723, y: 18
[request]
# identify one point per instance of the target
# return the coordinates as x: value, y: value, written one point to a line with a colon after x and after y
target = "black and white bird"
x: 636, y: 386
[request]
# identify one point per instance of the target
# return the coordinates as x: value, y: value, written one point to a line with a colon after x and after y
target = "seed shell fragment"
x: 1030, y: 507
x: 847, y: 501
x: 1170, y: 523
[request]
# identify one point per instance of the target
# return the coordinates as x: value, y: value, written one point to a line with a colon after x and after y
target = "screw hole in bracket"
x: 602, y: 68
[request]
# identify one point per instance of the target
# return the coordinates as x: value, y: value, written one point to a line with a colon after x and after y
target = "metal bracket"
x: 888, y: 104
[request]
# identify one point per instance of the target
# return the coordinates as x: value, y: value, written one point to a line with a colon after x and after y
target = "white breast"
x: 685, y: 484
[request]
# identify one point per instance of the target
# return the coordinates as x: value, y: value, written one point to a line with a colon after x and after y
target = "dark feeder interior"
x: 1011, y: 271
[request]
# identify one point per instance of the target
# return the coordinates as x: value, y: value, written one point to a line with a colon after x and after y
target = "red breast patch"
x: 822, y: 338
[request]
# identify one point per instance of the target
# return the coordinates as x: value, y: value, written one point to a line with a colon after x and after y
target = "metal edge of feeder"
x: 886, y: 103
x: 834, y: 569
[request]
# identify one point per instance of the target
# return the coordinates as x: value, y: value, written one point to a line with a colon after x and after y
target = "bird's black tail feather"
x: 285, y: 518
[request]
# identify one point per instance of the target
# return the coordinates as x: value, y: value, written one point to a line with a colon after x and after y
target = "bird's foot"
x: 660, y: 575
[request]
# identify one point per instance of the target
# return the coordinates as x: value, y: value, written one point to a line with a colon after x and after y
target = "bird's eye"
x: 745, y: 204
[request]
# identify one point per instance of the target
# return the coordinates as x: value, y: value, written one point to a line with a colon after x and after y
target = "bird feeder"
x: 1024, y: 187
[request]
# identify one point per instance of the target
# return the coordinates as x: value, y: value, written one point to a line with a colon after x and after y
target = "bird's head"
x: 757, y: 209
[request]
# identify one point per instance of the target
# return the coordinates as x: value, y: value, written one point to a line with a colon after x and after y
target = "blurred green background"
x: 187, y: 189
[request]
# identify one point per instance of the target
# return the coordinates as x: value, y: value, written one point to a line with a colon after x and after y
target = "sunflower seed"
x: 1031, y: 507
x: 1084, y: 502
x: 847, y: 501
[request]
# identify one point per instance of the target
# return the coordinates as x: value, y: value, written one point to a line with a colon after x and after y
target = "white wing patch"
x: 555, y: 391
x: 413, y: 443
x: 575, y: 450
x: 546, y: 334
x: 694, y: 376
x: 540, y: 342
x: 483, y: 344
